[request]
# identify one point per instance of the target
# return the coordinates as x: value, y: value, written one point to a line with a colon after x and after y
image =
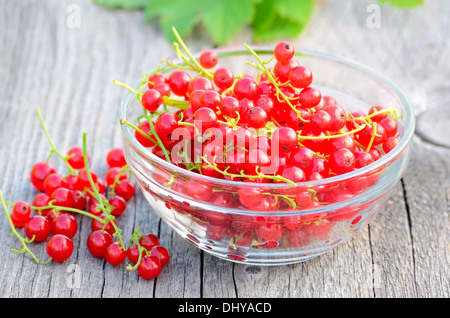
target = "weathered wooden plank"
x: 67, y: 72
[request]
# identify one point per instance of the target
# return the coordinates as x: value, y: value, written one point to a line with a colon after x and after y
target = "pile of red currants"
x: 272, y: 126
x: 54, y: 213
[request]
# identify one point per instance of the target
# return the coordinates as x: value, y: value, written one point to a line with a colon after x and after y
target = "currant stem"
x: 22, y: 240
x: 243, y: 175
x: 124, y: 122
x: 160, y: 144
x: 52, y: 145
x: 273, y: 81
x: 351, y: 132
x: 199, y: 68
x: 96, y: 194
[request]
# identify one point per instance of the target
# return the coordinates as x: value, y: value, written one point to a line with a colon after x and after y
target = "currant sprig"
x: 23, y: 241
x: 258, y: 175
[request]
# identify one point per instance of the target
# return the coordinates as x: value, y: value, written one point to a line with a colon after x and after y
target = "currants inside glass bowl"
x: 265, y: 155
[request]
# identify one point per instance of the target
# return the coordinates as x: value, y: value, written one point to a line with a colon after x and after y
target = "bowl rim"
x: 264, y: 49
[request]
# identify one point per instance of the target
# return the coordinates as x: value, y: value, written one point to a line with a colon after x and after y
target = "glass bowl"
x: 207, y: 211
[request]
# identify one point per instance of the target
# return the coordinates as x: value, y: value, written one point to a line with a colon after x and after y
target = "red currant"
x: 149, y: 267
x: 59, y: 248
x: 284, y: 52
x: 65, y: 224
x: 39, y: 172
x: 179, y: 82
x: 38, y: 227
x: 97, y: 243
x: 76, y: 158
x: 115, y: 254
x: 208, y: 59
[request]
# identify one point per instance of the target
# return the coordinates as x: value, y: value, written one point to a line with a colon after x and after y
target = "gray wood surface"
x: 67, y: 72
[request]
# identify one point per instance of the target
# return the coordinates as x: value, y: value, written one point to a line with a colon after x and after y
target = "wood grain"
x: 67, y: 72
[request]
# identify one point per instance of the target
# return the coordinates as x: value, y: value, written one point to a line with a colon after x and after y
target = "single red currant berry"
x: 149, y: 267
x: 119, y: 205
x: 112, y: 174
x: 162, y: 253
x: 365, y: 136
x: 390, y: 143
x: 206, y: 116
x: 165, y: 125
x: 390, y: 126
x: 200, y: 83
x: 246, y: 87
x: 320, y: 121
x: 133, y: 253
x: 292, y: 173
x: 41, y: 200
x: 76, y: 158
x: 71, y: 182
x: 342, y: 161
x: 223, y: 78
x: 210, y: 99
x: 97, y: 225
x: 208, y: 59
x: 53, y: 182
x: 284, y: 51
x: 300, y: 77
x: 142, y: 139
x: 310, y: 97
x: 62, y: 197
x: 38, y: 227
x: 98, y: 241
x: 286, y: 138
x: 266, y: 103
x: 83, y: 178
x: 151, y: 100
x: 79, y: 199
x: 125, y: 189
x: 179, y: 81
x: 377, y: 109
x: 148, y: 241
x: 363, y: 159
x: 303, y: 158
x: 59, y: 248
x: 65, y: 224
x: 39, y: 172
x: 20, y: 214
x: 230, y: 107
x: 338, y: 117
x: 256, y: 118
x: 115, y: 254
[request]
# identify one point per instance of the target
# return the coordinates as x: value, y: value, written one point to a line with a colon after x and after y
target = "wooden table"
x: 67, y: 70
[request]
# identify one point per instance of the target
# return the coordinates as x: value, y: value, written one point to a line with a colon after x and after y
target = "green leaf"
x: 181, y: 14
x: 275, y: 19
x: 225, y: 18
x: 122, y: 4
x: 221, y: 18
x: 402, y: 4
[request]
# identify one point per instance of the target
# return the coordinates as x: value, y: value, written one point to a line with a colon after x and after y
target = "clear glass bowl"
x: 221, y: 227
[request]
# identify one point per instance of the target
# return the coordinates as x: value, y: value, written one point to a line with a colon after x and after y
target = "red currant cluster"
x: 51, y: 217
x: 270, y: 127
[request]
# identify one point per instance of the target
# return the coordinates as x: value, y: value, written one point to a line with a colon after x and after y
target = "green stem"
x: 243, y: 175
x: 52, y: 145
x: 97, y: 196
x: 22, y: 240
x: 143, y: 133
x: 273, y: 81
x: 199, y: 68
x: 160, y: 144
x: 351, y: 132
